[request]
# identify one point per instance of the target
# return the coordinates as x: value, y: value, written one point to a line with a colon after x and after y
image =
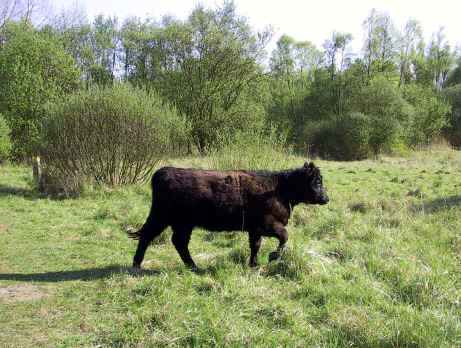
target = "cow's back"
x: 215, y: 200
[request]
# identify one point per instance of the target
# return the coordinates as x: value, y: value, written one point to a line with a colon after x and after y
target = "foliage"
x: 347, y: 139
x: 430, y: 114
x: 454, y: 76
x: 33, y: 71
x: 354, y: 136
x: 109, y: 136
x: 215, y: 71
x: 292, y: 68
x: 389, y: 114
x: 211, y: 68
x: 5, y: 141
x: 453, y: 129
x: 377, y: 116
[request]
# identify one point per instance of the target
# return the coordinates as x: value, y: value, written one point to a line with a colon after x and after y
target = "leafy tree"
x: 390, y: 114
x: 380, y: 47
x: 33, y: 71
x: 210, y: 63
x: 408, y: 44
x: 440, y: 59
x: 105, y: 41
x: 292, y: 71
x: 30, y: 11
x: 76, y: 41
x: 430, y: 116
x: 336, y: 52
x: 454, y: 77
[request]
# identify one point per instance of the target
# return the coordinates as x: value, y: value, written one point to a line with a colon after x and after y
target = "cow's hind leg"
x: 148, y: 232
x: 255, y: 244
x: 180, y: 239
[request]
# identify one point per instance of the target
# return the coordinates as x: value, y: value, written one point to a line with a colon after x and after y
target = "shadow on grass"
x: 439, y: 204
x: 83, y: 274
x: 6, y: 190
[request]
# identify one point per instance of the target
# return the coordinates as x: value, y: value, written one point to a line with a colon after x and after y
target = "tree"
x: 380, y: 48
x: 30, y: 11
x: 292, y: 67
x: 408, y: 44
x: 336, y: 52
x: 336, y: 56
x: 33, y: 71
x: 105, y: 45
x: 440, y: 59
x: 207, y: 66
x: 454, y: 76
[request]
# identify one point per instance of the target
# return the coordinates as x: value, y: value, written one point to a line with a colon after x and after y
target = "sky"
x: 303, y: 20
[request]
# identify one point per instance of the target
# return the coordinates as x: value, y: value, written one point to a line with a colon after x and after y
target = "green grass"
x: 379, y: 266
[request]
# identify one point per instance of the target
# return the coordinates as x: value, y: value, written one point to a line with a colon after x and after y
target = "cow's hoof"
x: 196, y: 270
x: 136, y: 265
x: 274, y: 255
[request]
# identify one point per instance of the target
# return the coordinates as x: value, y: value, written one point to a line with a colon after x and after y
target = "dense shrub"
x: 376, y: 122
x: 5, y: 141
x: 354, y: 134
x: 453, y: 128
x: 389, y: 114
x: 430, y: 115
x: 346, y: 139
x: 109, y: 136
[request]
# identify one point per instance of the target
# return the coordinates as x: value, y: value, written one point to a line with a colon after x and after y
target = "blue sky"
x: 303, y: 20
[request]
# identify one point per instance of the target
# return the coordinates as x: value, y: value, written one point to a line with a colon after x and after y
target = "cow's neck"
x: 288, y: 192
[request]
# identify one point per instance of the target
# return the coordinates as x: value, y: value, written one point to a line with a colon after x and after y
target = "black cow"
x: 259, y: 202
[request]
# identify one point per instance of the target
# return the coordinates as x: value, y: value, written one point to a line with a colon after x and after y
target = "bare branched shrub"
x: 110, y: 136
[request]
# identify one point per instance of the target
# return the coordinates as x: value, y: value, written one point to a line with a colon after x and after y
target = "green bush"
x: 354, y: 136
x: 430, y: 115
x: 389, y: 114
x: 346, y: 139
x: 453, y: 129
x: 109, y: 136
x: 376, y: 123
x: 5, y: 141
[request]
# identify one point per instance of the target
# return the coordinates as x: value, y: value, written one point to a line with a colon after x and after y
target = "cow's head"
x: 314, y: 192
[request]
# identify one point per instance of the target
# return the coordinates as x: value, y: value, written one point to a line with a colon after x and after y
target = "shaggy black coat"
x: 259, y: 202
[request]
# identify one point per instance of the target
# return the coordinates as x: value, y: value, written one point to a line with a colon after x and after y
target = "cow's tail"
x: 143, y: 231
x: 153, y: 226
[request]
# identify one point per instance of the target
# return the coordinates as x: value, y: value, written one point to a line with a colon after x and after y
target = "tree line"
x: 212, y: 71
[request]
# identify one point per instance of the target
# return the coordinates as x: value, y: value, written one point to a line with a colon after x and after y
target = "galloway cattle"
x: 258, y: 202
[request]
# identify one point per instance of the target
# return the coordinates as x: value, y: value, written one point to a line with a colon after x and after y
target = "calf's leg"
x: 255, y: 244
x: 278, y: 231
x: 147, y: 233
x: 180, y: 239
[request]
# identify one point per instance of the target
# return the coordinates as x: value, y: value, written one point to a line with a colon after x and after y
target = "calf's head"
x: 313, y: 191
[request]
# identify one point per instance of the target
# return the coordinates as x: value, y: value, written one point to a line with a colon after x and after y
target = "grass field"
x: 379, y: 266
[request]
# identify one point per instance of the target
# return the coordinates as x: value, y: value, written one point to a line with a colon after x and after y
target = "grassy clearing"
x: 379, y: 266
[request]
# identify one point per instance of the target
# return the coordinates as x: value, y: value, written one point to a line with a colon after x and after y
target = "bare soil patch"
x: 20, y: 293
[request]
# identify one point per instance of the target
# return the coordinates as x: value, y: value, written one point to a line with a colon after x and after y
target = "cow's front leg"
x: 255, y: 244
x: 278, y: 231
